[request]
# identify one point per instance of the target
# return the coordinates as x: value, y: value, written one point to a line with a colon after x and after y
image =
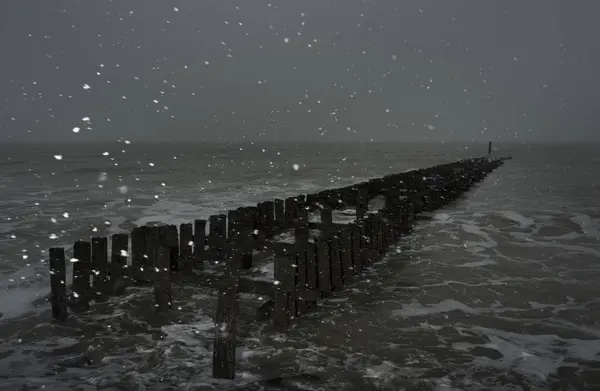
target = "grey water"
x: 497, y: 291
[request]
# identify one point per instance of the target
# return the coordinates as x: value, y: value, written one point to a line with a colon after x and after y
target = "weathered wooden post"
x: 323, y: 266
x: 169, y: 237
x: 186, y: 241
x: 346, y: 254
x: 216, y: 239
x: 284, y: 304
x: 139, y: 257
x: 119, y: 272
x: 244, y: 242
x: 490, y: 148
x: 279, y: 211
x: 356, y: 249
x: 326, y: 215
x: 58, y: 283
x: 199, y: 242
x: 301, y: 244
x: 336, y: 260
x: 290, y: 209
x: 101, y: 278
x: 162, y: 278
x: 82, y: 252
x: 226, y: 318
x: 362, y: 202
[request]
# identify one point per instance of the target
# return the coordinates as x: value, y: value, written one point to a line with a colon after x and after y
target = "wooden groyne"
x: 311, y: 254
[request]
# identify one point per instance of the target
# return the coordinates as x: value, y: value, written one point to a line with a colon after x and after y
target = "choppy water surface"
x: 498, y: 291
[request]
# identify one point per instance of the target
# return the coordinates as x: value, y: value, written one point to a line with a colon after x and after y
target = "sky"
x: 289, y: 70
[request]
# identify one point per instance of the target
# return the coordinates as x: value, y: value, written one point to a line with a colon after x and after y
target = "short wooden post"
x: 58, y: 283
x: 326, y: 215
x: 284, y: 302
x: 356, y: 249
x: 226, y: 318
x: 336, y: 261
x: 312, y: 272
x: 186, y: 241
x: 139, y: 258
x: 301, y: 253
x: 346, y: 254
x: 290, y: 209
x: 162, y: 277
x: 101, y: 279
x: 245, y: 228
x: 323, y: 267
x: 199, y: 243
x: 169, y: 237
x: 82, y: 252
x: 279, y: 210
x: 118, y: 263
x: 216, y: 238
x: 362, y: 202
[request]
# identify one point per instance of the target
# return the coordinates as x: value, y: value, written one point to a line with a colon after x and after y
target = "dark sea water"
x: 498, y: 291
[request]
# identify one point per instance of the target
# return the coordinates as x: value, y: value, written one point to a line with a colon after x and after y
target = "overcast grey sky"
x: 387, y: 70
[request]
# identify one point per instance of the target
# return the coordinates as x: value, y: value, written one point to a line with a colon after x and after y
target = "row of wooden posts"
x: 304, y: 271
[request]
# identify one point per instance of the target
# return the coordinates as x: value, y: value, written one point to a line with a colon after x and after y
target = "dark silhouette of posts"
x: 58, y: 283
x: 199, y: 242
x: 118, y: 262
x: 82, y: 267
x: 226, y: 318
x: 100, y: 271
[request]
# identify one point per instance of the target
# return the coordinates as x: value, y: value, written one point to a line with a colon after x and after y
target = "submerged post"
x: 490, y: 148
x: 58, y: 283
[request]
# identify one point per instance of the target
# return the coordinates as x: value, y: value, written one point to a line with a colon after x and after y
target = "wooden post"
x: 346, y: 254
x: 490, y: 148
x: 312, y: 272
x: 356, y: 249
x: 58, y: 283
x: 186, y: 241
x: 327, y: 215
x: 226, y: 318
x: 279, y: 210
x: 290, y: 209
x: 300, y: 254
x: 336, y: 261
x: 118, y: 263
x: 169, y: 237
x: 139, y: 257
x: 284, y: 303
x: 101, y: 279
x: 362, y: 202
x: 323, y: 267
x: 216, y: 239
x: 244, y: 242
x: 162, y: 278
x: 82, y: 252
x: 199, y: 242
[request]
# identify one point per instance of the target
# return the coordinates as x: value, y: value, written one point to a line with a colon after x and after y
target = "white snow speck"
x: 286, y: 40
x: 296, y: 167
x: 105, y: 153
x: 53, y: 236
x: 76, y: 129
x: 175, y: 9
x: 86, y: 87
x: 123, y: 189
x: 65, y: 215
x: 86, y: 119
x: 58, y: 157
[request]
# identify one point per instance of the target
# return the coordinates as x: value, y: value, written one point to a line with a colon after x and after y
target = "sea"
x: 499, y: 290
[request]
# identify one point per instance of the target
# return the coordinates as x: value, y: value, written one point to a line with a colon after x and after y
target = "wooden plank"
x: 119, y: 272
x: 284, y: 308
x: 82, y: 267
x: 312, y: 275
x: 100, y: 276
x: 58, y: 283
x: 199, y: 243
x: 326, y: 215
